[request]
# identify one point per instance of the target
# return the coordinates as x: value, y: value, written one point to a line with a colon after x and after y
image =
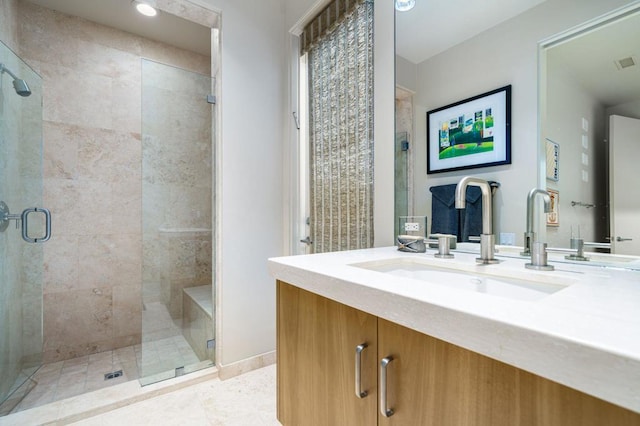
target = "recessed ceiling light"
x: 405, y: 5
x: 145, y: 8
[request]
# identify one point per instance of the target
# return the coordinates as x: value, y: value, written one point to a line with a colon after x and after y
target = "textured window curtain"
x: 341, y: 130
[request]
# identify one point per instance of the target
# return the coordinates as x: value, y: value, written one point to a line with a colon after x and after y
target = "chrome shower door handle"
x: 384, y: 363
x: 358, y: 380
x: 25, y: 225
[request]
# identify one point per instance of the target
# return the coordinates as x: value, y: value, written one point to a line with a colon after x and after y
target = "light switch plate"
x: 585, y: 124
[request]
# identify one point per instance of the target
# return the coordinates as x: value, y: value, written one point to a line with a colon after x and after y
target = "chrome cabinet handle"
x: 384, y: 363
x: 25, y: 225
x: 359, y: 392
x: 619, y: 239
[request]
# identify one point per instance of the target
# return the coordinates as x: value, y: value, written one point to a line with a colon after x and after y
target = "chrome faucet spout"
x: 487, y: 239
x: 530, y: 198
x: 529, y: 235
x: 461, y: 202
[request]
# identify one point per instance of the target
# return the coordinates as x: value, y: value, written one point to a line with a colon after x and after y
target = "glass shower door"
x: 178, y: 314
x: 21, y: 261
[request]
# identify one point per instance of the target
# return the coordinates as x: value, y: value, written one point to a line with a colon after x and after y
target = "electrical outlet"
x: 507, y: 238
x: 411, y: 226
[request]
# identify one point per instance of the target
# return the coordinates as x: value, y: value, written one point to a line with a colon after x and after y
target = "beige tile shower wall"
x: 92, y: 169
x: 177, y: 182
x: 8, y: 27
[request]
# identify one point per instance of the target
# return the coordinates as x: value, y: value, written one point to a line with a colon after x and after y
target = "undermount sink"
x: 504, y: 283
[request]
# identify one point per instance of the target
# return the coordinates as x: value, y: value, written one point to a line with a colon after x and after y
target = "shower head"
x: 21, y: 87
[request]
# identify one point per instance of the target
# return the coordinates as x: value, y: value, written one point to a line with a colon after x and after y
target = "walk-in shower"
x: 21, y: 87
x: 120, y: 152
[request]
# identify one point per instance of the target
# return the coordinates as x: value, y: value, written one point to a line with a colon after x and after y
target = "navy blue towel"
x: 444, y: 216
x: 471, y: 217
x: 446, y: 219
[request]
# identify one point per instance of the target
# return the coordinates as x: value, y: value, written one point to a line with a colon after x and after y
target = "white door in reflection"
x: 624, y: 146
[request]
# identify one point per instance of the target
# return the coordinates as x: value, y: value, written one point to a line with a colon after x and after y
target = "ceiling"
x: 434, y: 26
x: 590, y: 60
x: 122, y: 15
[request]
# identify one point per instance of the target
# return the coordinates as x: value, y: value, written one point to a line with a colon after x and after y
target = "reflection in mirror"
x: 439, y: 62
x: 592, y: 98
x: 439, y: 65
x: 403, y: 152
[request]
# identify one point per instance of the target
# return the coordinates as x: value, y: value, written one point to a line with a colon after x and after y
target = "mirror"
x: 591, y: 90
x: 500, y: 47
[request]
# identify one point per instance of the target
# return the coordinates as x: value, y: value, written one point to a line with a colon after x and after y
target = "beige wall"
x: 567, y: 104
x: 249, y: 176
x: 92, y: 176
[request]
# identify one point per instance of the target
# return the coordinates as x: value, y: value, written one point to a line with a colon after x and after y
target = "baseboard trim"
x: 240, y: 367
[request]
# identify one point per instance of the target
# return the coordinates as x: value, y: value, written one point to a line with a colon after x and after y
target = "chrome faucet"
x: 487, y: 239
x: 529, y: 235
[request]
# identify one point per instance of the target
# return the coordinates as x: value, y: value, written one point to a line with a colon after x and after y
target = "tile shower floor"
x: 157, y: 359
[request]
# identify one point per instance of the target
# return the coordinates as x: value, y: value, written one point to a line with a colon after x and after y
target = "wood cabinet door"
x: 431, y: 382
x: 316, y: 350
x: 435, y: 383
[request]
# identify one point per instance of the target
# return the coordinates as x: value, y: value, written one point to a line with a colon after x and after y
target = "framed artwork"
x: 475, y: 132
x: 553, y: 160
x: 552, y: 217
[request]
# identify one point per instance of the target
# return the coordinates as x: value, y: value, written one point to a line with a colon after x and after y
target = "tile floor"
x: 72, y: 377
x: 197, y: 399
x: 245, y: 400
x: 155, y: 359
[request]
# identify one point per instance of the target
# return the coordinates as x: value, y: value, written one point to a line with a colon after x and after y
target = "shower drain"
x: 113, y: 375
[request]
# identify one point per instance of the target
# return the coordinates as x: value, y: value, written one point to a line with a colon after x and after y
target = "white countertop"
x: 585, y: 336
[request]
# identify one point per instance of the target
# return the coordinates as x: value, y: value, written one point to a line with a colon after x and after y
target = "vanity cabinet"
x: 316, y: 343
x: 429, y: 381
